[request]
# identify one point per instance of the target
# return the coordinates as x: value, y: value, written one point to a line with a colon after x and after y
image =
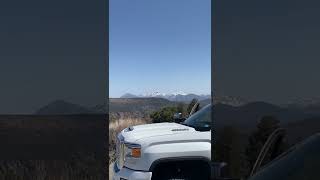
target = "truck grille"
x: 120, y: 148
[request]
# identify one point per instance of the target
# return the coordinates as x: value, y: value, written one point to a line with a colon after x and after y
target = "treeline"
x: 240, y: 150
x: 166, y: 114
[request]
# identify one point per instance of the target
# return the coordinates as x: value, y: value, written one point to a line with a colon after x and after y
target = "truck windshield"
x: 300, y: 162
x: 201, y: 120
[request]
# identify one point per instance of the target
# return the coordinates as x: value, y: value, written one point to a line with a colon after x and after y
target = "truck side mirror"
x: 177, y: 117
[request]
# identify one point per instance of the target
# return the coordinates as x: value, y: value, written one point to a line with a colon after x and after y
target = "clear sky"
x: 51, y: 50
x: 267, y: 50
x: 159, y: 45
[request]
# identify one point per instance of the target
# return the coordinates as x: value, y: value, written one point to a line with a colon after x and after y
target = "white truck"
x: 164, y: 151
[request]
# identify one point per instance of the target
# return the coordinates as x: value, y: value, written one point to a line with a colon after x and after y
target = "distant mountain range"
x: 178, y: 97
x: 304, y: 102
x: 183, y: 97
x: 229, y: 100
x: 61, y: 107
x: 229, y: 110
x: 128, y: 105
x: 136, y: 107
x: 247, y: 115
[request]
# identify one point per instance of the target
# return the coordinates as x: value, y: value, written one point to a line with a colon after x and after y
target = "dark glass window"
x: 300, y: 162
x: 201, y: 120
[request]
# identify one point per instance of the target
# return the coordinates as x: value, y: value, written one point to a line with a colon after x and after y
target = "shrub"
x: 164, y: 115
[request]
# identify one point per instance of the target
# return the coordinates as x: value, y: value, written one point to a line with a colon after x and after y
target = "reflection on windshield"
x: 301, y: 162
x: 201, y: 120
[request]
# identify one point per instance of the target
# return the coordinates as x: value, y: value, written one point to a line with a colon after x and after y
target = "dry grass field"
x: 115, y: 127
x: 60, y: 147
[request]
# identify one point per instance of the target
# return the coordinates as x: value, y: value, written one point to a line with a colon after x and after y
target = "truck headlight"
x: 133, y: 150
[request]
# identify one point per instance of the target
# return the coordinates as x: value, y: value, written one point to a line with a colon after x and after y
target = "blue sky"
x: 159, y: 45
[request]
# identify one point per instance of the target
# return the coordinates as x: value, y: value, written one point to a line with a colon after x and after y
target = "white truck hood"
x: 151, y: 130
x: 162, y: 140
x: 164, y: 133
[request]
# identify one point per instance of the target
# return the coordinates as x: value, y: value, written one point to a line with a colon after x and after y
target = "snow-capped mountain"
x: 229, y: 100
x: 153, y: 94
x: 304, y: 102
x: 176, y: 96
x: 187, y: 97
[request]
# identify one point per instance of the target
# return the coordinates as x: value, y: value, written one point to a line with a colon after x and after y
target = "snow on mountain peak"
x: 159, y: 94
x: 153, y: 94
x: 178, y: 93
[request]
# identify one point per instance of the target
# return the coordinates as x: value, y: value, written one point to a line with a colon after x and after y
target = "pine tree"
x: 257, y: 139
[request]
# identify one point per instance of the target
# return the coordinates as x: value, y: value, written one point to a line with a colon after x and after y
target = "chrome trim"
x: 120, y: 151
x: 132, y: 145
x: 121, y: 147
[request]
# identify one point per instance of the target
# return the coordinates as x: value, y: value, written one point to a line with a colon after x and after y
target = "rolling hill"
x: 63, y: 107
x: 137, y: 104
x: 247, y: 116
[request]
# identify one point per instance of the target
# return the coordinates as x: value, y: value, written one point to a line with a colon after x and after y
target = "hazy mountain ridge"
x: 184, y: 97
x: 116, y: 105
x: 304, y: 102
x: 249, y: 114
x: 61, y: 107
x: 128, y: 95
x: 178, y: 97
x: 227, y: 109
x: 229, y: 100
